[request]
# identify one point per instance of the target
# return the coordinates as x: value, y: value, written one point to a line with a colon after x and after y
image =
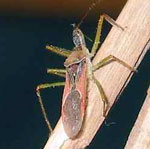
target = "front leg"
x: 59, y: 51
x: 99, y: 30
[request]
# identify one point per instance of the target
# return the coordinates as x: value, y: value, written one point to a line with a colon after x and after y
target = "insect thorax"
x: 76, y: 56
x: 75, y: 71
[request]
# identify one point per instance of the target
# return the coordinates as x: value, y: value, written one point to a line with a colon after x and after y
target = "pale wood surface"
x: 128, y: 45
x: 140, y: 135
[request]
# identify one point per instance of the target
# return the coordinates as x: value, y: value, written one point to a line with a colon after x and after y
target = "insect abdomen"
x: 72, y: 113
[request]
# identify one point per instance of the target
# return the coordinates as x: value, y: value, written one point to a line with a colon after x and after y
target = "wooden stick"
x: 140, y: 135
x: 129, y: 46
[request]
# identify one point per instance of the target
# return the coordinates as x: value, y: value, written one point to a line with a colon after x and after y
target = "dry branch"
x: 140, y: 135
x: 128, y: 45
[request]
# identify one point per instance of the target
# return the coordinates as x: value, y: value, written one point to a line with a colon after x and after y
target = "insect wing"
x: 73, y: 104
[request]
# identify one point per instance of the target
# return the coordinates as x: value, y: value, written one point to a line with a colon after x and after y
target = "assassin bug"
x: 79, y: 70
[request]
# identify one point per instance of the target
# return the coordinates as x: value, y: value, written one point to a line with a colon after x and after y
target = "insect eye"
x: 78, y: 32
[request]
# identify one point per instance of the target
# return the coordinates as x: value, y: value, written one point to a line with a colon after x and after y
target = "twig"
x: 140, y: 135
x: 128, y: 45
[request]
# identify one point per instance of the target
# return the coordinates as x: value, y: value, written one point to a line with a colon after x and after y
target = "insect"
x: 78, y: 71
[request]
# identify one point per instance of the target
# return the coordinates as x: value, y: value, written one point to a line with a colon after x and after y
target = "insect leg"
x: 110, y: 59
x: 103, y: 96
x: 98, y: 35
x: 112, y: 21
x: 59, y: 51
x: 58, y: 72
x: 38, y: 89
x: 99, y: 30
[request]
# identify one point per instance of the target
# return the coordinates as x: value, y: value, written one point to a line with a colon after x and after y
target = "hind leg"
x: 40, y: 87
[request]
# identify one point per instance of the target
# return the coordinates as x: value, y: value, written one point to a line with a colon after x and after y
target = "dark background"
x: 23, y: 63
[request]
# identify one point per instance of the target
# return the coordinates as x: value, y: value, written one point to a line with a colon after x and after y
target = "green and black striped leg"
x: 59, y: 51
x: 40, y: 87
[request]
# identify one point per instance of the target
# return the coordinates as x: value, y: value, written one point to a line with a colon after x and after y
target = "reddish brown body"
x: 74, y: 96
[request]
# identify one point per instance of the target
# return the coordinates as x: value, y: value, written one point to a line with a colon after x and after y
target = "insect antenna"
x: 87, y: 12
